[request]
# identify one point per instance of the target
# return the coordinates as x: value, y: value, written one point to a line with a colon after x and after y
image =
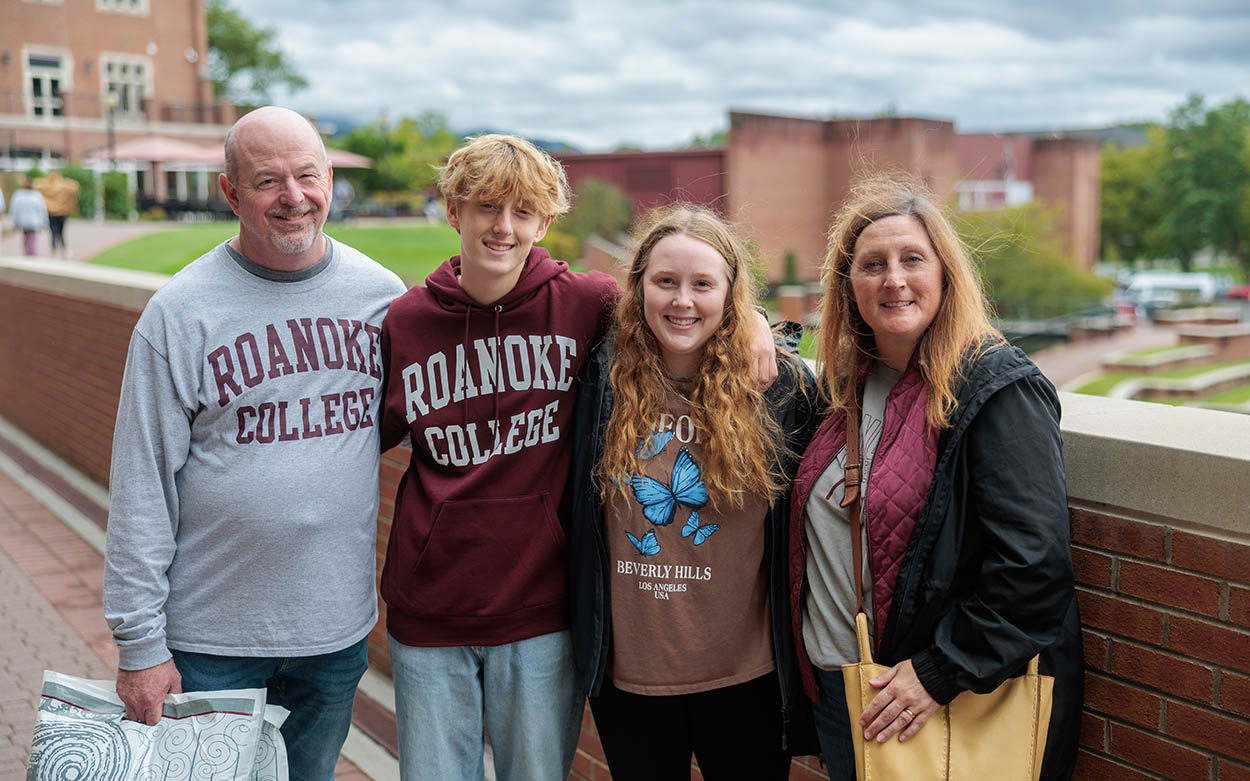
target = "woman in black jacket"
x: 678, y: 520
x: 964, y: 506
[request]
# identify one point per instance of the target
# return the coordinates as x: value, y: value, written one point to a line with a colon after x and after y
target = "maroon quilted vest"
x: 898, y: 486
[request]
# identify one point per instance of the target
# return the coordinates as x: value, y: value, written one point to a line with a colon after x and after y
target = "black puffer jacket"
x: 791, y: 400
x: 998, y: 485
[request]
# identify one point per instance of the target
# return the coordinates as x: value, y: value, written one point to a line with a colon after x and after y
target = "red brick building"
x: 656, y: 178
x: 781, y: 178
x: 72, y: 69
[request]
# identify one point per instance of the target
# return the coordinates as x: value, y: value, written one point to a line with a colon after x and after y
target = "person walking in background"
x: 679, y: 497
x: 244, y: 483
x: 60, y: 193
x: 965, y: 521
x: 29, y: 214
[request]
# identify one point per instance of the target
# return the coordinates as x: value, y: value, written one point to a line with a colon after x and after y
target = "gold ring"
x: 910, y: 715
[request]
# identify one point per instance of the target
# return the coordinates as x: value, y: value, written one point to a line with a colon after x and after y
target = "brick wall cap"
x: 118, y: 286
x: 1172, y: 462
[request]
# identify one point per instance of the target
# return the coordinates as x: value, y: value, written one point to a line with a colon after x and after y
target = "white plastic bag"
x: 207, y: 736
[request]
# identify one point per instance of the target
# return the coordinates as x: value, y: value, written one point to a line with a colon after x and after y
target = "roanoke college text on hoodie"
x: 477, y: 551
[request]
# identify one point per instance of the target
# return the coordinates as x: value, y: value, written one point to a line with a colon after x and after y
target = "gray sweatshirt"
x: 244, y: 490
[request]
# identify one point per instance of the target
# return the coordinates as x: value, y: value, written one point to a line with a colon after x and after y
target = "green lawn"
x: 1236, y: 395
x: 1103, y: 383
x: 807, y: 347
x: 166, y: 251
x: 1147, y: 352
x: 1194, y: 371
x: 411, y: 251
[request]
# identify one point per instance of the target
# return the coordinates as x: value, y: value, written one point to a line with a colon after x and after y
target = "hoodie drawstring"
x: 464, y: 397
x: 499, y: 356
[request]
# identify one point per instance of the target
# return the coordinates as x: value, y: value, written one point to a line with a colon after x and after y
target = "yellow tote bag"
x: 998, y: 735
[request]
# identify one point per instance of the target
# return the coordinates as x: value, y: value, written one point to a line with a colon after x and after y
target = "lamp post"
x: 109, y: 102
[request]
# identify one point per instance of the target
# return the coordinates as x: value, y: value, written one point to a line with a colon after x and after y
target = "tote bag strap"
x: 851, y: 497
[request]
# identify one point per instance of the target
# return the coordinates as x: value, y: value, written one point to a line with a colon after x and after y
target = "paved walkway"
x: 83, y: 237
x: 1065, y: 363
x: 50, y: 618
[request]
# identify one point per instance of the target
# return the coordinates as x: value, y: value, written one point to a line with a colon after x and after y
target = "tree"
x: 1027, y: 274
x: 244, y: 60
x: 405, y: 155
x: 715, y: 138
x: 1206, y: 181
x: 1133, y: 200
x: 599, y: 209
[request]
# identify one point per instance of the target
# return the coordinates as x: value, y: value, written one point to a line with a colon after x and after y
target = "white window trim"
x: 67, y: 75
x: 149, y: 76
x: 112, y: 7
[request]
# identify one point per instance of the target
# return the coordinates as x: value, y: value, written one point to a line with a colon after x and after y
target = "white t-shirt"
x: 829, y: 609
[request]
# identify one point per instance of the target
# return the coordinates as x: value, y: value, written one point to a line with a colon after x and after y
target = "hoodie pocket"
x: 489, y: 557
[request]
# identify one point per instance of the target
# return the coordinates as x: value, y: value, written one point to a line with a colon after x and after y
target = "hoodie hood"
x: 540, y: 268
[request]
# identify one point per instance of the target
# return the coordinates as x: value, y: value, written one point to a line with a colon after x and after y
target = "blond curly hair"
x: 740, y: 441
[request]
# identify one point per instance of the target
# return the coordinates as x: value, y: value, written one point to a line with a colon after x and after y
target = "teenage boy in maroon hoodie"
x: 481, y: 365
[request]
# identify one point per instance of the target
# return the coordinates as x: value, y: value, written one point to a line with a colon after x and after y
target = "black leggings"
x: 734, y: 732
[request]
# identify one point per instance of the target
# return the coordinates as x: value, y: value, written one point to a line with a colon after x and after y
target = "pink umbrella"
x: 162, y: 149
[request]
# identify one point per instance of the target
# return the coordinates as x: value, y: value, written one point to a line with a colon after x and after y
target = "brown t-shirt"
x: 689, y: 589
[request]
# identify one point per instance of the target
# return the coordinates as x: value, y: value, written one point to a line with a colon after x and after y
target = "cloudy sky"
x: 652, y: 73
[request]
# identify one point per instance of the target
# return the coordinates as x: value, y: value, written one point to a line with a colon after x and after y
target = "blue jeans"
x: 833, y: 726
x: 522, y: 692
x: 318, y: 690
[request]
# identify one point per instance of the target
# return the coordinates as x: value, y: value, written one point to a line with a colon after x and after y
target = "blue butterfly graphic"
x: 647, y: 546
x: 652, y: 445
x: 659, y: 501
x: 700, y: 533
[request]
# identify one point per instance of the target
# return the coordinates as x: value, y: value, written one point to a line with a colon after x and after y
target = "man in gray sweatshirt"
x: 244, y: 488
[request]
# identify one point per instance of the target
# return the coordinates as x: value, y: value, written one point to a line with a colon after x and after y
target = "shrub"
x: 1027, y: 273
x: 118, y: 201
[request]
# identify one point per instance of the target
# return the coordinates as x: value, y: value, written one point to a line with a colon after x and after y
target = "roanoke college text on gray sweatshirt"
x: 245, y: 458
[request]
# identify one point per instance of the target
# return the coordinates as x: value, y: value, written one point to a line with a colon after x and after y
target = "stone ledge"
x: 1152, y: 459
x: 118, y: 286
x: 1197, y: 316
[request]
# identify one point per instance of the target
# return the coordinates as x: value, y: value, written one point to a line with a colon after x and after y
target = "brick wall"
x: 1167, y: 650
x: 787, y: 175
x: 62, y: 360
x: 394, y: 462
x: 1066, y: 176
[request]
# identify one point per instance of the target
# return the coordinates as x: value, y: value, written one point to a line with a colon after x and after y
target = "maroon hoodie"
x: 477, y: 552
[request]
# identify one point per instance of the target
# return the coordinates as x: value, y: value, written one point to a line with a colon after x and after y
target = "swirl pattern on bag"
x: 81, y: 735
x: 84, y: 749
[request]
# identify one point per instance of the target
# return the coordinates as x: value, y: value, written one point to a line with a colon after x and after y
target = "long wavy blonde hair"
x: 962, y: 324
x: 740, y: 444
